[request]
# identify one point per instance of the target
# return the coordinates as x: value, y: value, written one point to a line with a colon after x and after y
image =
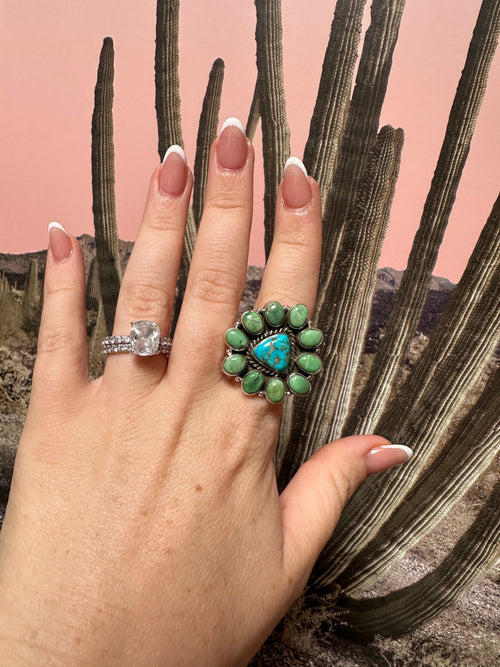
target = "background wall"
x: 49, y: 56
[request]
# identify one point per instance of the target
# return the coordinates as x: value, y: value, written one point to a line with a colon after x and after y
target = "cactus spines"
x: 272, y: 104
x: 404, y: 610
x: 207, y: 132
x: 411, y: 295
x: 330, y: 112
x: 103, y: 185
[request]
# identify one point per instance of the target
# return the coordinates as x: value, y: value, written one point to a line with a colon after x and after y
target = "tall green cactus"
x: 332, y: 104
x: 207, y: 133
x: 412, y: 293
x: 272, y: 106
x: 404, y: 610
x: 103, y: 185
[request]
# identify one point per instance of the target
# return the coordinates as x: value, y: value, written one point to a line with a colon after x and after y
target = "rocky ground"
x: 468, y: 633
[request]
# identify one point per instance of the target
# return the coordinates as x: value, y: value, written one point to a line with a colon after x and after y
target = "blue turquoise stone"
x: 274, y: 352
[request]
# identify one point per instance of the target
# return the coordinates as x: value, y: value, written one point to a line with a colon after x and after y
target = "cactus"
x: 93, y: 292
x: 11, y: 311
x: 103, y: 186
x: 32, y: 299
x: 427, y: 403
x: 330, y: 113
x: 254, y: 113
x: 404, y: 610
x: 411, y: 295
x: 206, y: 134
x: 272, y: 106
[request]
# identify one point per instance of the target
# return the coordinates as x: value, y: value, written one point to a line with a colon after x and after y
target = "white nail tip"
x: 232, y: 122
x: 298, y: 163
x: 58, y: 225
x: 175, y: 149
x: 406, y: 450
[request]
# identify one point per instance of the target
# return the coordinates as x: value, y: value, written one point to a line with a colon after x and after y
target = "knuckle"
x: 227, y: 201
x: 166, y: 223
x: 216, y: 285
x: 342, y: 485
x: 146, y: 300
x: 55, y: 339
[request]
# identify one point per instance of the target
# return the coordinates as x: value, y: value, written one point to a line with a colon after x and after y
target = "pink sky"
x: 50, y: 52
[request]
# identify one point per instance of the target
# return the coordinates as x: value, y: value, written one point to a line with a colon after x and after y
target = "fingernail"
x: 232, y: 148
x: 174, y: 171
x: 60, y: 243
x: 296, y: 188
x: 386, y: 456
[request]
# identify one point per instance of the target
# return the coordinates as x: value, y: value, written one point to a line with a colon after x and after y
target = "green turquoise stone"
x: 237, y: 339
x: 252, y: 322
x: 298, y: 316
x: 310, y: 338
x: 299, y: 384
x: 274, y: 313
x: 274, y: 352
x: 310, y: 363
x: 235, y: 364
x: 252, y: 382
x: 275, y: 390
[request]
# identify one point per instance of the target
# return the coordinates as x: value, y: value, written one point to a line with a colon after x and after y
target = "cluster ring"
x: 272, y: 351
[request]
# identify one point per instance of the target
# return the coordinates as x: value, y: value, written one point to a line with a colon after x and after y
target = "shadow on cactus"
x: 442, y: 409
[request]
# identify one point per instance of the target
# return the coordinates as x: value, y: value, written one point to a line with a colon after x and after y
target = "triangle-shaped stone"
x: 274, y: 352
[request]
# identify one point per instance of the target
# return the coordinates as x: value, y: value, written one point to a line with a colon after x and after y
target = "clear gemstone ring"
x: 144, y: 340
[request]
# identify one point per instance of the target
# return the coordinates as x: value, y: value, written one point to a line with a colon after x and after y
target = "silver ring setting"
x: 144, y: 339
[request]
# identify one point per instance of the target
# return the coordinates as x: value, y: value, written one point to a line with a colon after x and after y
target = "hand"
x: 144, y: 525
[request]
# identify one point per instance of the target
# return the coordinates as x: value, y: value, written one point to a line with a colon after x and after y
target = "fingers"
x: 313, y: 500
x: 292, y: 270
x: 148, y: 287
x: 62, y: 358
x: 218, y: 268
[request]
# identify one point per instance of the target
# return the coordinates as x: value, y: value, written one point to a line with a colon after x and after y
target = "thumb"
x: 314, y: 498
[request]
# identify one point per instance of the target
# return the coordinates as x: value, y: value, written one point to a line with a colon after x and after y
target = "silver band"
x: 144, y: 339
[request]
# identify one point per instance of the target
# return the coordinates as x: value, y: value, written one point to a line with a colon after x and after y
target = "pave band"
x: 144, y: 339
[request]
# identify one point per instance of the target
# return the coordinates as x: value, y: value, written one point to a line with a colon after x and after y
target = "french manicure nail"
x: 296, y: 188
x: 232, y: 148
x: 384, y: 457
x: 60, y: 243
x: 173, y: 175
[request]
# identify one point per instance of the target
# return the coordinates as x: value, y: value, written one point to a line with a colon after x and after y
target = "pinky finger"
x: 62, y: 357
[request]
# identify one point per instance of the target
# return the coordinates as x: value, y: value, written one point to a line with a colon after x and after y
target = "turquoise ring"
x: 273, y: 351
